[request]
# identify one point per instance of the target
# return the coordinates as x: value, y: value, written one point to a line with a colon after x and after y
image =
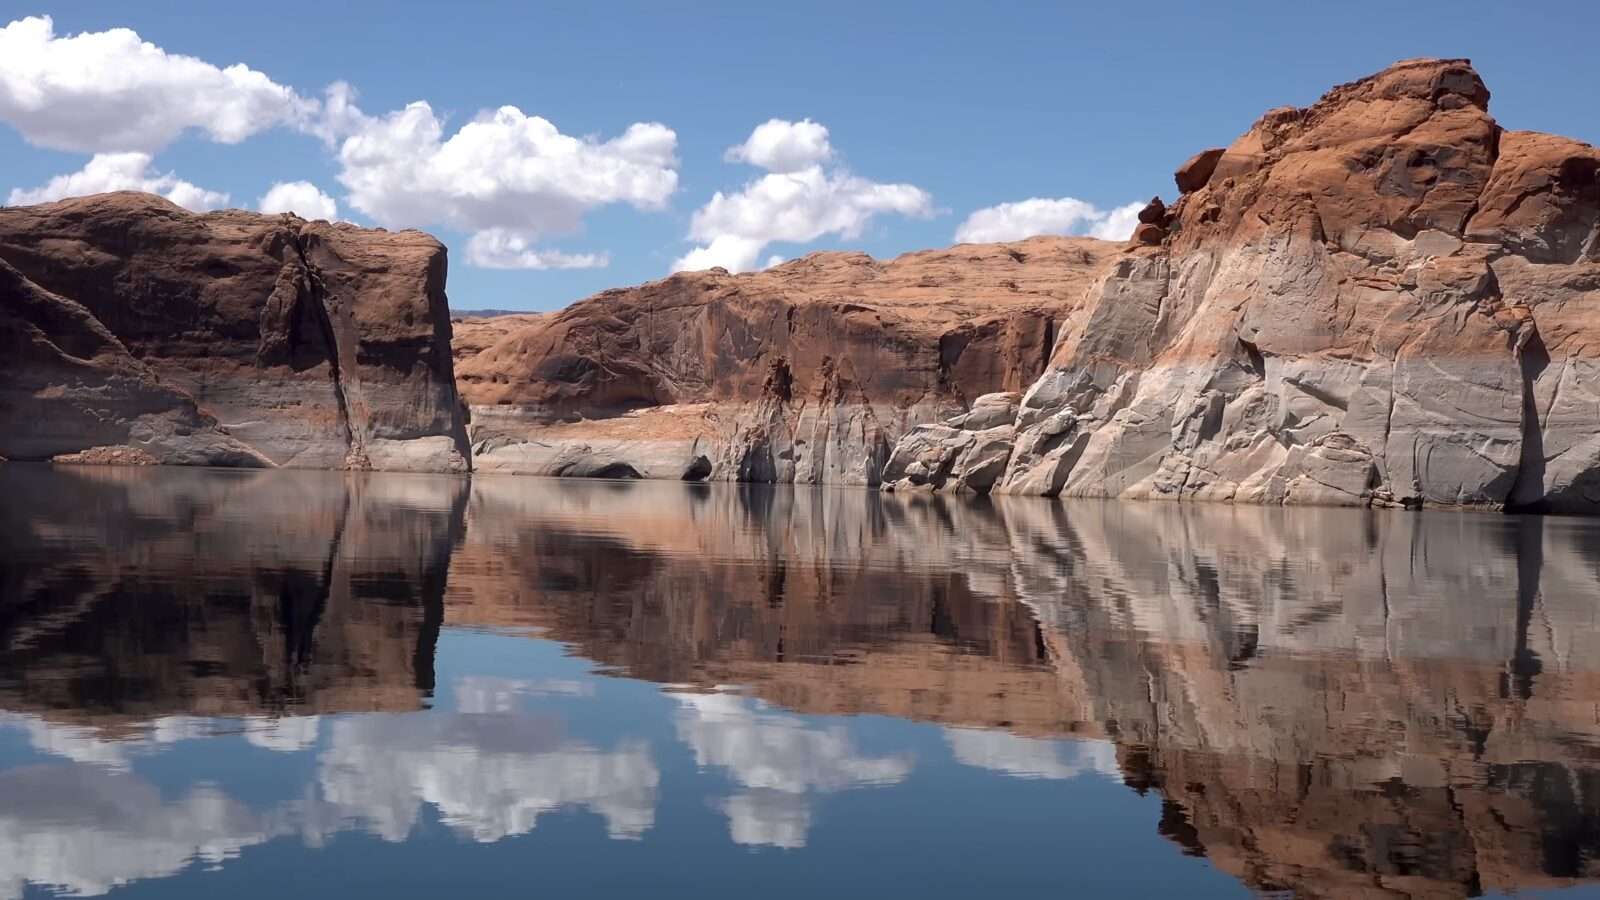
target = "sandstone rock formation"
x: 134, y: 330
x: 807, y: 372
x: 965, y: 453
x: 1376, y: 300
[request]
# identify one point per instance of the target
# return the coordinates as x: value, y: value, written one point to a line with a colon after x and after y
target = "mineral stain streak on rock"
x: 138, y: 332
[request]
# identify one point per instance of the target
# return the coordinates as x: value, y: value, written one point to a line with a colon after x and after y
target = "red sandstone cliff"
x: 806, y: 372
x: 1379, y: 299
x: 135, y: 330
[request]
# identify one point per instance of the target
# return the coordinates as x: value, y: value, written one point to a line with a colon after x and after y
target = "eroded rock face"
x: 136, y: 330
x: 967, y: 453
x: 1382, y: 299
x: 1375, y: 300
x: 808, y: 372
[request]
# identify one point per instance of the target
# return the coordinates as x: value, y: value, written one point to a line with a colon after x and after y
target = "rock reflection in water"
x: 1337, y: 702
x: 1333, y: 702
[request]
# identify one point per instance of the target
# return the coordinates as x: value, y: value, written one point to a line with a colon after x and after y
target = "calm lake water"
x: 269, y: 684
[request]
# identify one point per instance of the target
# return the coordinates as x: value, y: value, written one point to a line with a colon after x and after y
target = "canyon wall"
x: 1382, y: 299
x: 807, y: 372
x: 134, y: 331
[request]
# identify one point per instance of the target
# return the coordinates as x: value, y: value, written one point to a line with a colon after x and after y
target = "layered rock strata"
x: 807, y: 372
x: 1377, y: 300
x: 134, y: 330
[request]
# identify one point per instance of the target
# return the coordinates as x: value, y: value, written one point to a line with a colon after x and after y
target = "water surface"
x: 327, y: 685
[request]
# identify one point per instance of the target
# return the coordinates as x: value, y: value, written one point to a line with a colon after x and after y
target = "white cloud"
x: 1118, y: 224
x: 302, y: 198
x: 112, y: 91
x: 507, y: 178
x: 781, y: 146
x: 503, y: 248
x: 120, y: 172
x: 727, y: 251
x: 511, y: 177
x: 792, y: 205
x: 1038, y: 215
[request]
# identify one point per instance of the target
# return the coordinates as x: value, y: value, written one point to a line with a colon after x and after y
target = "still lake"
x: 305, y: 684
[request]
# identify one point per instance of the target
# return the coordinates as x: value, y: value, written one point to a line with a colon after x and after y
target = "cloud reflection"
x: 778, y: 762
x: 1023, y: 757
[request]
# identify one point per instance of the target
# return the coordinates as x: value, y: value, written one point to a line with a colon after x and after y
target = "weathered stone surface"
x: 966, y: 453
x: 1154, y: 212
x: 807, y: 372
x: 227, y: 338
x: 1382, y: 299
x: 1377, y: 300
x: 1145, y: 233
x: 1197, y: 169
x: 991, y: 410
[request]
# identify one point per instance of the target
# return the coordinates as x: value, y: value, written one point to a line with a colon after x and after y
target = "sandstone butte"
x: 1376, y: 300
x: 133, y: 331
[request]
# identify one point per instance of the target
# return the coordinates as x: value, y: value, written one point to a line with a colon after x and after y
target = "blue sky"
x: 958, y: 107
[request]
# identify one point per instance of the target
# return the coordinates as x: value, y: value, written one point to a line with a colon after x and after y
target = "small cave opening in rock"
x: 699, y: 469
x: 617, y: 470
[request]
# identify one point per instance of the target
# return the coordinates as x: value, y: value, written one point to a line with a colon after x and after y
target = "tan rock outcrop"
x: 1374, y: 300
x: 1381, y: 299
x: 228, y: 338
x: 811, y: 370
x: 967, y: 453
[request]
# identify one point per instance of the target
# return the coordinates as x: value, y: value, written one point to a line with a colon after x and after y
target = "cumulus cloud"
x: 504, y: 248
x: 1039, y: 215
x: 509, y: 178
x: 795, y: 205
x: 302, y: 198
x: 780, y: 146
x: 1118, y: 224
x: 120, y: 172
x: 113, y: 91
